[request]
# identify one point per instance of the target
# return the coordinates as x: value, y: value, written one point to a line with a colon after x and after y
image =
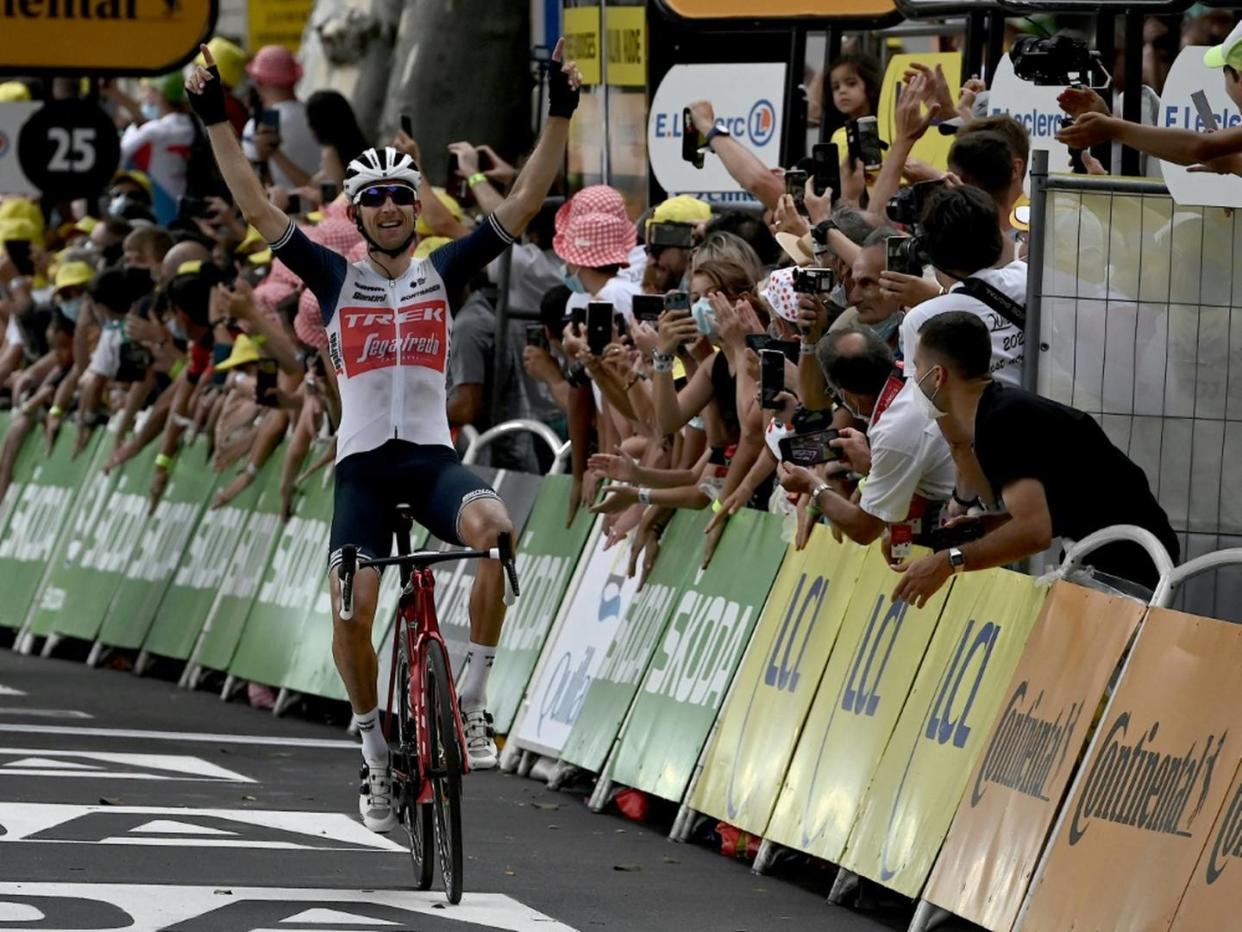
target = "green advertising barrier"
x: 291, y: 583
x: 23, y: 467
x: 113, y: 544
x: 609, y: 696
x: 76, y: 585
x: 222, y: 628
x: 776, y: 682
x: 860, y: 697
x: 192, y: 589
x: 164, y: 538
x: 958, y: 694
x: 546, y: 559
x: 703, y: 641
x: 41, y: 510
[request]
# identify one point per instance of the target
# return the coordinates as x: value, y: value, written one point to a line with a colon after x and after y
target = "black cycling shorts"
x: 370, y: 485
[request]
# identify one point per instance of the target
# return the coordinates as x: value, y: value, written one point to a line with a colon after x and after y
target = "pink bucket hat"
x: 596, y: 240
x: 275, y: 65
x: 597, y: 199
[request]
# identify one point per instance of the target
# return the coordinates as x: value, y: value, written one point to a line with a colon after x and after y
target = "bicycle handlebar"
x: 350, y: 564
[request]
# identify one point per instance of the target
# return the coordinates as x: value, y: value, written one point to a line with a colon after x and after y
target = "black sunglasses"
x: 374, y: 196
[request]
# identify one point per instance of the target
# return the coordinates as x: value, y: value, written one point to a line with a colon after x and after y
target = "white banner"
x: 1188, y: 75
x: 573, y: 659
x: 1036, y: 108
x: 12, y: 117
x: 749, y: 102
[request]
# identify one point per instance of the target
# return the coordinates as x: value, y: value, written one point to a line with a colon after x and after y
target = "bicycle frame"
x: 417, y: 623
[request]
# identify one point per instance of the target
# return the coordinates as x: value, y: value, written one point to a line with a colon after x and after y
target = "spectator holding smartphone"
x: 1052, y: 467
x: 287, y: 145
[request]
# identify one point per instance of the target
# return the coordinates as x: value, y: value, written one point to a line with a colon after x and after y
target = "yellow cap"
x: 230, y: 58
x: 1228, y: 52
x: 86, y: 224
x: 430, y: 245
x: 13, y: 92
x: 681, y: 209
x: 1020, y: 216
x: 190, y: 267
x: 252, y: 239
x: 73, y: 273
x: 19, y: 207
x: 142, y: 179
x: 421, y: 227
x: 245, y: 349
x: 262, y: 257
x: 17, y: 228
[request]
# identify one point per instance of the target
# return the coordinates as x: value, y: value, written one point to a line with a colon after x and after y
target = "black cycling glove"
x: 209, y: 105
x: 562, y: 99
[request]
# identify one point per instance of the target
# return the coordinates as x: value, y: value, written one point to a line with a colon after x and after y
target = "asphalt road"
x: 127, y: 803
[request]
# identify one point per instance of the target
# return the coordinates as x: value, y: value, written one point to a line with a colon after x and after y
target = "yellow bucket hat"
x: 245, y: 350
x: 420, y: 225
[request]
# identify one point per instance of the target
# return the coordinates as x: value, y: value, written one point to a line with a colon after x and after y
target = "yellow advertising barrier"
x: 1211, y: 900
x: 959, y: 689
x: 625, y: 33
x: 864, y: 687
x: 277, y: 22
x: 116, y: 36
x: 1015, y: 791
x: 582, y: 41
x: 933, y: 148
x: 760, y: 724
x: 1142, y: 809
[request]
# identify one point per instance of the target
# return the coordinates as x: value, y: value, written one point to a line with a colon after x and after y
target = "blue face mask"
x: 177, y: 331
x: 574, y: 284
x: 151, y: 111
x: 886, y: 328
x: 71, y: 308
x: 704, y: 316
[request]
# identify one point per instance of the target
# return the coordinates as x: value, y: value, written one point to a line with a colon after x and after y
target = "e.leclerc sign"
x: 96, y: 37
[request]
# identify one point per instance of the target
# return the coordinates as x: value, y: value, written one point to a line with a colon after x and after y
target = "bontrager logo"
x: 1026, y: 750
x: 1134, y: 785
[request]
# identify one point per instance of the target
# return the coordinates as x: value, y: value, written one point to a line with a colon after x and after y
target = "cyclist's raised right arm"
x: 206, y: 95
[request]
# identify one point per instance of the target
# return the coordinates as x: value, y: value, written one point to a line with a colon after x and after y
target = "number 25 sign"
x: 69, y: 147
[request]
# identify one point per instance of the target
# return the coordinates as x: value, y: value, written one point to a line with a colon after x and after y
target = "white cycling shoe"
x: 480, y: 745
x: 375, y: 797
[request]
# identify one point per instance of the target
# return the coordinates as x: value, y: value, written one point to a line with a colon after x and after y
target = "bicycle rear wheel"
x: 417, y: 819
x: 446, y: 766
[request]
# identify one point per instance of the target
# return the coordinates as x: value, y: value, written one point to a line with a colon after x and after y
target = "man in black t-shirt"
x: 1052, y: 467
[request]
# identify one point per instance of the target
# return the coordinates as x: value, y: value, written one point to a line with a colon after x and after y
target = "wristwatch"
x: 713, y: 133
x: 957, y: 560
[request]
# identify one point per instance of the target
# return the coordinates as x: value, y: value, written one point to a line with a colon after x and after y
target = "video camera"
x: 814, y: 280
x: 905, y: 254
x: 1056, y: 61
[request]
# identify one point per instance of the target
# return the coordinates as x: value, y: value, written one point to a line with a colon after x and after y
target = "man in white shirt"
x: 158, y: 143
x: 963, y: 242
x: 274, y: 71
x: 908, y: 466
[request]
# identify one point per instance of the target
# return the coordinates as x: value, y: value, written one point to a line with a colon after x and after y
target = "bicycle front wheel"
x: 446, y: 768
x: 417, y: 819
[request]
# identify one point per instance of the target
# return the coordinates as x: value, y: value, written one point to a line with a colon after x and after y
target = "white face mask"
x: 925, y: 401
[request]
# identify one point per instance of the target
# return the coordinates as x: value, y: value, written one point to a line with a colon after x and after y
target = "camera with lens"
x: 906, y: 206
x: 1056, y: 61
x: 814, y: 281
x: 905, y: 254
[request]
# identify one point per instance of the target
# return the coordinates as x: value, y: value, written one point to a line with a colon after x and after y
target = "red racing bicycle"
x: 428, y: 747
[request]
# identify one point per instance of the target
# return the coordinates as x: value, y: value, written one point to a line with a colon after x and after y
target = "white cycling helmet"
x: 375, y: 165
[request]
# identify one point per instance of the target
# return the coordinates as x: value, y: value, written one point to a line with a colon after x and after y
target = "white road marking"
x: 14, y: 711
x: 189, y: 828
x: 181, y: 736
x: 10, y: 691
x: 193, y: 909
x: 43, y: 762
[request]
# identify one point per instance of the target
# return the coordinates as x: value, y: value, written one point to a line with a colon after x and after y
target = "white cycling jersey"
x: 388, y: 338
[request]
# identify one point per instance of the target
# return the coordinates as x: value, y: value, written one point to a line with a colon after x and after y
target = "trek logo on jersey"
x: 416, y: 335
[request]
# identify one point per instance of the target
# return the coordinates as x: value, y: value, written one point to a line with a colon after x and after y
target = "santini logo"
x: 1228, y: 842
x: 1026, y: 750
x: 1131, y: 784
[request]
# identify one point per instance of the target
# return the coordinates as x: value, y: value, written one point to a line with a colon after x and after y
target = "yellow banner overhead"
x: 625, y: 29
x: 869, y: 674
x: 770, y: 9
x: 960, y: 686
x: 1015, y: 792
x: 277, y: 22
x: 102, y: 36
x: 933, y: 148
x: 582, y: 41
x: 772, y: 694
x: 1147, y: 799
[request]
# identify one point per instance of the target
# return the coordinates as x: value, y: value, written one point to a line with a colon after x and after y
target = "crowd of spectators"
x: 852, y: 358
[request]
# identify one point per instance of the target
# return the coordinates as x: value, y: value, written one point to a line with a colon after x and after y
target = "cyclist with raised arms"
x: 388, y: 322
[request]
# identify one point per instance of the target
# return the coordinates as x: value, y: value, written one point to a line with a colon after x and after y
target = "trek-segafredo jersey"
x: 388, y: 340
